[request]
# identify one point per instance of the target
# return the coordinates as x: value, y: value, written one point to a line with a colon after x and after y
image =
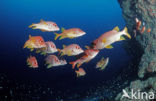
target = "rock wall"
x: 142, y: 45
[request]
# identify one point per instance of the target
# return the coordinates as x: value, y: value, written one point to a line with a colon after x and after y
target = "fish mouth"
x: 83, y: 33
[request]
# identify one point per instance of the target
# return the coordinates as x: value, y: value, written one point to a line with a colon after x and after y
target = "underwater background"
x: 59, y: 83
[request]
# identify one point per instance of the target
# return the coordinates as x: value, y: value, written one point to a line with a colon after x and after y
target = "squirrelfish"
x: 102, y: 63
x: 45, y: 26
x: 71, y: 50
x: 80, y: 72
x: 53, y: 60
x: 106, y: 39
x: 34, y: 42
x: 69, y: 33
x: 88, y: 55
x: 49, y: 49
x: 32, y: 62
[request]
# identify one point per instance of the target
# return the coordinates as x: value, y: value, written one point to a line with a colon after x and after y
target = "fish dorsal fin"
x: 62, y: 29
x: 29, y: 36
x: 64, y: 46
x: 116, y: 29
x: 42, y: 21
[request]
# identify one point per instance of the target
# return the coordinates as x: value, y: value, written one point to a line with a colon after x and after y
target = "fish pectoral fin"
x: 116, y: 29
x: 109, y: 47
x: 69, y: 53
x: 122, y: 38
x: 104, y: 40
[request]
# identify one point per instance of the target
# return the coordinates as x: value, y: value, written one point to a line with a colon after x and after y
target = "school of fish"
x: 49, y: 49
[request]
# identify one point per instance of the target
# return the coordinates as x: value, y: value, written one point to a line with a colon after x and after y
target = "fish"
x: 136, y: 20
x: 71, y: 50
x: 148, y: 30
x: 138, y: 25
x: 49, y: 49
x: 87, y: 56
x: 143, y: 30
x: 34, y: 42
x: 108, y: 38
x: 32, y: 62
x: 80, y: 72
x: 69, y: 33
x: 48, y: 26
x: 53, y: 60
x: 102, y: 63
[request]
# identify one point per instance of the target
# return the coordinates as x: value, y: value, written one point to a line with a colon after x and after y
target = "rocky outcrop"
x: 142, y: 45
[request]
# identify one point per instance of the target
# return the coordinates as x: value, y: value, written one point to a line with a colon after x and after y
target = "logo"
x: 138, y: 95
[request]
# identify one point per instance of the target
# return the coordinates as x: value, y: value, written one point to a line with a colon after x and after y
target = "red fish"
x: 70, y: 33
x: 80, y: 72
x: 49, y: 49
x: 71, y: 50
x: 48, y: 26
x: 149, y: 30
x: 32, y: 62
x: 53, y: 61
x: 34, y: 42
x: 143, y: 29
x: 88, y: 55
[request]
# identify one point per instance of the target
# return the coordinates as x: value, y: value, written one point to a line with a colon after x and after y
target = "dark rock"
x: 145, y: 49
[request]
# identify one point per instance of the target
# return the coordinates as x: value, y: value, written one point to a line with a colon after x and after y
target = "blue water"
x: 93, y: 16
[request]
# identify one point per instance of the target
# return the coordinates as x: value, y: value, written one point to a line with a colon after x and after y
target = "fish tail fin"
x: 73, y: 64
x: 30, y: 26
x: 126, y: 32
x: 60, y: 52
x: 26, y: 44
x: 57, y: 35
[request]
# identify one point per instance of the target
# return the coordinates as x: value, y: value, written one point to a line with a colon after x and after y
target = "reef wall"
x: 142, y: 45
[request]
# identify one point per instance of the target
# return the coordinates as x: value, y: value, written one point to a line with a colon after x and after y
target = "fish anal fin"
x: 122, y: 38
x: 78, y: 65
x: 109, y: 47
x: 43, y: 30
x: 62, y: 37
